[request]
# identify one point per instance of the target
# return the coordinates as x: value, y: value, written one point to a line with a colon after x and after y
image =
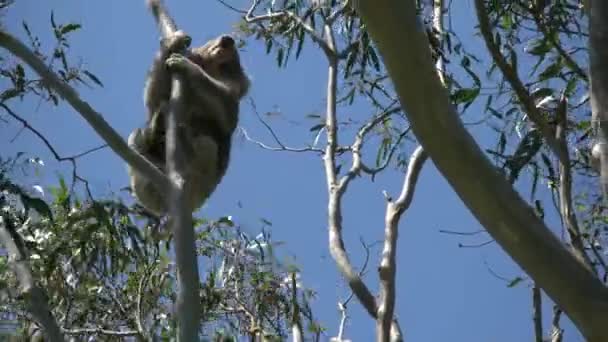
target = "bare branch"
x: 47, y: 143
x: 36, y: 299
x: 445, y: 231
x: 282, y: 146
x: 598, y: 54
x: 357, y: 164
x: 567, y: 212
x: 388, y: 264
x: 188, y: 298
x: 229, y: 6
x: 336, y: 190
x: 336, y: 243
x: 537, y: 313
x: 101, y: 331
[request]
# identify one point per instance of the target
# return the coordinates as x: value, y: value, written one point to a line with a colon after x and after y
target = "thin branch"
x: 100, y: 331
x: 510, y: 74
x: 314, y: 35
x: 336, y: 243
x: 556, y: 331
x: 35, y: 298
x: 282, y: 146
x: 417, y: 160
x: 388, y: 264
x: 565, y: 189
x: 357, y: 164
x: 494, y: 274
x: 445, y: 231
x: 537, y: 313
x: 476, y: 245
x: 180, y: 211
x: 229, y: 6
x: 343, y: 318
x: 71, y: 159
x: 95, y: 119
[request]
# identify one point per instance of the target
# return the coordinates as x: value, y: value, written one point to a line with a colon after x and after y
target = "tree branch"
x: 491, y: 199
x: 35, y: 298
x: 565, y: 187
x: 598, y: 55
x: 314, y: 35
x: 95, y: 119
x: 388, y: 264
x: 537, y: 313
x: 180, y: 212
x: 513, y: 79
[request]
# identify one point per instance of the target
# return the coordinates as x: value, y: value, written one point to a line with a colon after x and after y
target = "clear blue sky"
x: 443, y: 292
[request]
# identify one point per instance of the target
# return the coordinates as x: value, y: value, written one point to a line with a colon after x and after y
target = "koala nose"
x: 226, y: 42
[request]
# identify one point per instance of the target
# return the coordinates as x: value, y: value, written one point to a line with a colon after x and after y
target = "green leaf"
x: 515, y: 281
x: 92, y: 77
x: 465, y: 95
x: 69, y: 28
x: 538, y: 47
x: 551, y: 71
x: 280, y: 56
x: 542, y: 93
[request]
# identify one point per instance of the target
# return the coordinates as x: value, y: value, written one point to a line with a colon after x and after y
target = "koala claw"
x: 176, y: 61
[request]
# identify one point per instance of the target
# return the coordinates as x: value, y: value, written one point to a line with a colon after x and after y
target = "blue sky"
x: 443, y: 292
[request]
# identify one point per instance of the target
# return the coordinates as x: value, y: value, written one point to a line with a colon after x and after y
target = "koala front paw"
x: 178, y: 42
x: 176, y: 61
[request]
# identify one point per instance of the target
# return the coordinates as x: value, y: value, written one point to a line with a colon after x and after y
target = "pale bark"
x: 598, y: 55
x: 491, y: 199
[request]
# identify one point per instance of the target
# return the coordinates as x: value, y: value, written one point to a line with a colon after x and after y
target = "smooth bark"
x: 402, y: 42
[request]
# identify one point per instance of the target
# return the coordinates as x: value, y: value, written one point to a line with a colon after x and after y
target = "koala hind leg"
x: 143, y: 188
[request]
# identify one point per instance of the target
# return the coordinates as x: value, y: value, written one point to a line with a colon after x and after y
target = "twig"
x: 229, y: 6
x: 282, y: 146
x: 71, y: 159
x: 314, y: 35
x: 462, y: 233
x: 537, y: 313
x: 477, y: 245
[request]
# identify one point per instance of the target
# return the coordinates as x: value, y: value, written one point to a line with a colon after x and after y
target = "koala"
x: 214, y: 84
